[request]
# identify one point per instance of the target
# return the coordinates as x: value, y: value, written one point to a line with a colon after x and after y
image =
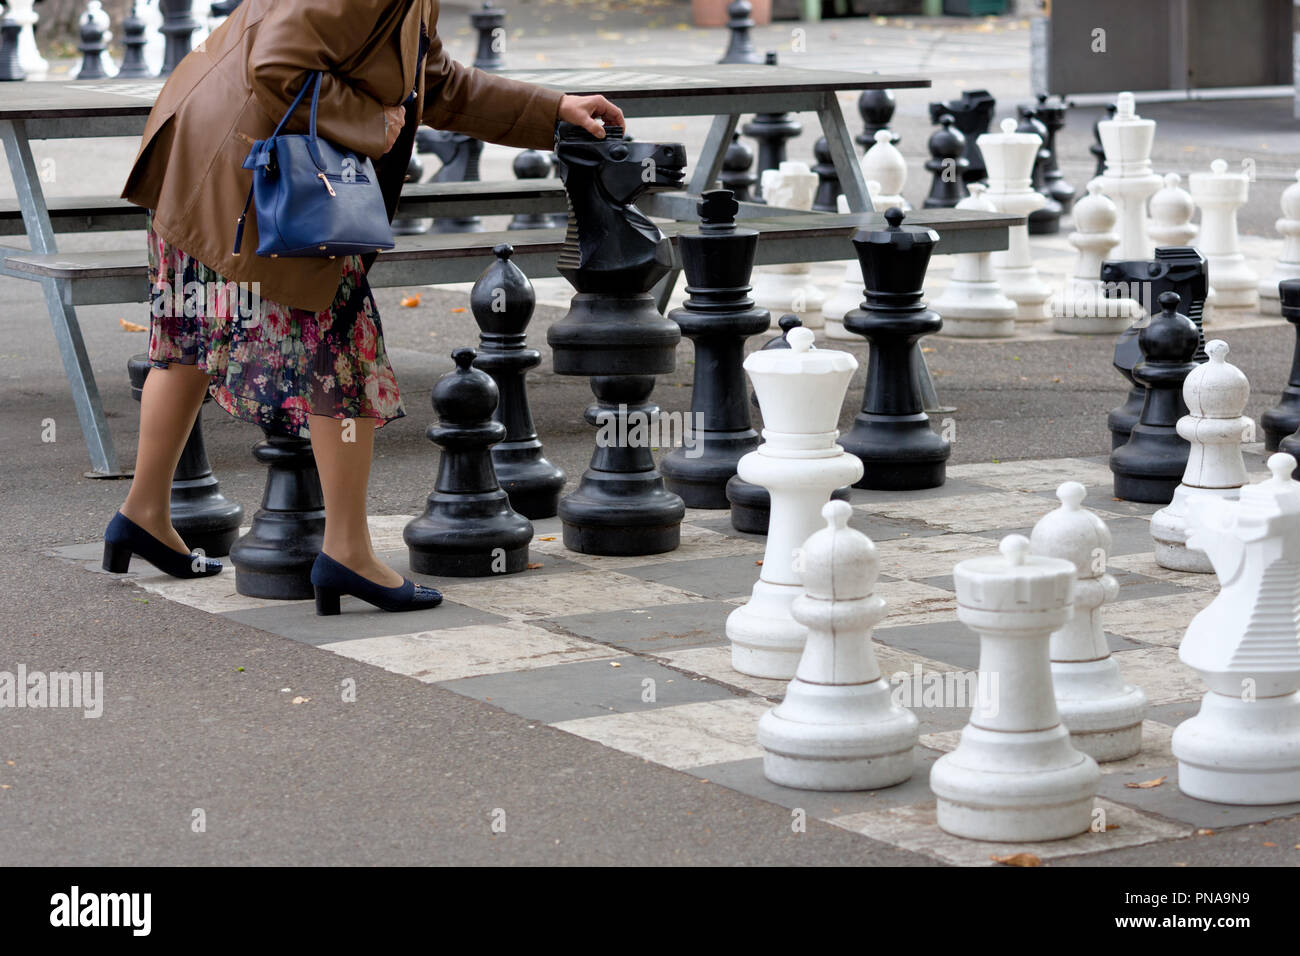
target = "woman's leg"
x: 343, y: 450
x: 169, y: 403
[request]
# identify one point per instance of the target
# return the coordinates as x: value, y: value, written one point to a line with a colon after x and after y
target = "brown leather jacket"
x: 234, y: 87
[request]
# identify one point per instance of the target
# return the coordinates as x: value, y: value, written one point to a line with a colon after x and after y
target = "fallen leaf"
x: 240, y: 669
x: 615, y: 664
x: 1268, y: 843
x: 1146, y: 784
x: 1205, y: 831
x: 1017, y: 859
x: 5, y: 786
x: 551, y: 538
x: 459, y: 308
x: 927, y: 350
x: 411, y: 301
x: 758, y: 564
x: 300, y: 700
x: 1112, y: 826
x: 132, y: 326
x: 534, y: 565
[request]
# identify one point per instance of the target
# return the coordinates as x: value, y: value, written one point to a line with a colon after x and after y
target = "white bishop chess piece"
x: 1288, y: 263
x: 1219, y: 194
x: 1243, y: 746
x: 1082, y: 306
x: 838, y: 727
x: 1215, y: 393
x: 1009, y: 158
x: 800, y: 392
x: 1128, y: 180
x: 1014, y: 777
x: 972, y: 304
x: 1103, y: 713
x: 789, y: 288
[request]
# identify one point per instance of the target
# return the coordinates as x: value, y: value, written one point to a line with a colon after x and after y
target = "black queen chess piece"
x: 892, y: 434
x: 502, y: 301
x: 468, y: 528
x: 740, y: 45
x: 947, y: 166
x: 1046, y: 219
x: 612, y: 256
x: 1283, y: 419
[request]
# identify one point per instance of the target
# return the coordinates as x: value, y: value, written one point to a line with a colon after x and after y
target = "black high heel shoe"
x: 332, y: 580
x: 124, y: 538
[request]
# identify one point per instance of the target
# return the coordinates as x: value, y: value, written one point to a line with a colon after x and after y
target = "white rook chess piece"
x: 1009, y: 158
x: 1103, y: 714
x: 1083, y: 306
x: 1172, y: 210
x: 1244, y: 745
x: 838, y: 727
x: 1215, y: 393
x: 850, y: 293
x: 1014, y: 776
x: 885, y: 164
x: 972, y: 304
x: 29, y: 56
x: 789, y: 287
x: 1288, y: 263
x: 1128, y: 181
x: 1219, y: 194
x: 800, y: 391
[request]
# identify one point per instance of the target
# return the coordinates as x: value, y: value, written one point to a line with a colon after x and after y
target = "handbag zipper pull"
x: 322, y: 178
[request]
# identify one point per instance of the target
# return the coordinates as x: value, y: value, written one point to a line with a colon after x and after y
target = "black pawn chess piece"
x: 947, y: 165
x: 1051, y: 112
x: 178, y: 27
x: 612, y: 256
x: 133, y: 44
x: 718, y: 316
x: 468, y: 529
x: 201, y: 514
x: 91, y: 43
x: 460, y: 157
x: 274, y: 558
x: 10, y: 68
x: 1149, y: 466
x: 828, y: 180
x: 1046, y: 220
x: 1098, y: 151
x: 502, y: 301
x: 892, y: 433
x: 972, y: 113
x: 737, y: 174
x: 531, y: 164
x: 740, y: 45
x: 411, y: 225
x: 785, y: 324
x: 1283, y: 419
x: 224, y: 8
x: 771, y: 130
x: 876, y: 107
x: 490, y: 22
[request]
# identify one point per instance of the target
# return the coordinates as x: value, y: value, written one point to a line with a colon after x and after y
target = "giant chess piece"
x: 1097, y: 149
x: 1083, y: 306
x: 178, y: 26
x: 490, y: 24
x: 613, y: 333
x: 1046, y: 219
x: 1010, y: 158
x: 740, y: 45
x: 1283, y: 419
x: 972, y: 114
x: 891, y: 435
x: 94, y: 37
x: 1219, y: 194
x: 789, y: 287
x: 1149, y: 466
x: 1051, y: 113
x: 1288, y: 263
x: 1215, y: 395
x: 412, y: 225
x: 133, y: 42
x: 828, y: 180
x: 1128, y: 179
x: 800, y: 390
x: 947, y: 166
x: 201, y: 514
x: 1102, y: 712
x: 876, y: 107
x: 468, y: 529
x: 273, y: 559
x: 29, y: 59
x: 532, y: 164
x: 10, y: 67
x: 718, y: 316
x: 771, y: 130
x: 1243, y: 747
x: 973, y: 305
x: 502, y: 301
x: 1172, y: 209
x: 838, y: 727
x: 1015, y: 777
x: 737, y: 174
x: 460, y: 158
x: 884, y: 164
x: 155, y: 43
x: 846, y: 297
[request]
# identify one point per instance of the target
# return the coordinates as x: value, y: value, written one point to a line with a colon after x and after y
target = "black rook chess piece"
x: 490, y: 22
x: 1149, y: 466
x: 876, y: 107
x: 1051, y: 113
x: 947, y: 165
x: 91, y: 44
x: 1283, y: 419
x: 1046, y: 220
x: 531, y: 164
x: 771, y: 130
x: 411, y: 225
x: 1098, y: 151
x: 502, y: 301
x: 828, y: 180
x: 460, y: 155
x: 468, y: 529
x: 10, y: 68
x: 971, y: 114
x: 133, y: 43
x: 178, y: 27
x: 612, y: 256
x: 892, y: 433
x: 740, y: 45
x: 737, y: 173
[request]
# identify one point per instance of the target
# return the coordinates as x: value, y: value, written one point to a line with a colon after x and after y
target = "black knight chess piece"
x: 971, y: 114
x: 1283, y: 419
x: 876, y: 107
x: 460, y: 158
x: 1051, y: 113
x: 947, y: 165
x: 740, y: 45
x: 1045, y: 220
x: 771, y: 130
x: 737, y: 170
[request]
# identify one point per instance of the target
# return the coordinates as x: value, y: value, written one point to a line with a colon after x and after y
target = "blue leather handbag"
x: 313, y: 198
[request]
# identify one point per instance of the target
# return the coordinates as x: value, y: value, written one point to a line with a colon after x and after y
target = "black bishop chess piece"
x: 468, y: 529
x: 502, y: 301
x: 412, y: 225
x: 133, y: 43
x: 1150, y: 465
x: 612, y: 256
x: 771, y: 131
x: 828, y: 180
x: 1051, y: 113
x: 947, y: 165
x: 718, y: 316
x: 1045, y: 220
x: 178, y: 27
x: 10, y: 68
x: 740, y: 45
x: 92, y: 41
x: 737, y: 170
x: 460, y: 160
x: 1283, y: 419
x: 532, y: 164
x: 972, y: 113
x: 490, y: 22
x: 892, y: 434
x: 1098, y: 151
x: 876, y: 107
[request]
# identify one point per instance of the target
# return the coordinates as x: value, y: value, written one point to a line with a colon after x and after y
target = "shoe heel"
x: 327, y: 601
x: 117, y: 557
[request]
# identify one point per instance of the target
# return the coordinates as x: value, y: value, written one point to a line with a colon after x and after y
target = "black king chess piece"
x: 971, y: 114
x: 468, y: 529
x: 892, y: 433
x: 1051, y: 113
x: 1283, y: 419
x: 947, y: 165
x: 771, y: 130
x: 718, y: 316
x: 740, y: 45
x: 612, y: 256
x: 1046, y: 219
x: 1149, y: 466
x: 502, y: 301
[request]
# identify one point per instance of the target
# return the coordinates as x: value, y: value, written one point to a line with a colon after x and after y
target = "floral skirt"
x: 270, y: 364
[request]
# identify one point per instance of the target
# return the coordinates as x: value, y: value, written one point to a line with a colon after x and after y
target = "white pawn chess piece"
x: 29, y: 56
x: 800, y: 391
x: 1172, y: 209
x: 885, y: 164
x: 1243, y: 746
x: 1219, y: 194
x: 1215, y: 393
x: 838, y: 727
x: 1128, y: 180
x: 1014, y: 777
x: 850, y: 293
x: 1083, y: 306
x: 1103, y: 713
x: 972, y: 304
x: 1288, y: 263
x: 1009, y: 158
x: 789, y: 287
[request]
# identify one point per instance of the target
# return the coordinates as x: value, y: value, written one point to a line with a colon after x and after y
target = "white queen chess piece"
x: 1082, y: 306
x: 1288, y: 263
x: 838, y: 727
x: 972, y: 304
x: 789, y: 288
x: 1103, y: 713
x: 1219, y: 194
x: 1243, y: 746
x: 1009, y: 157
x: 1128, y: 180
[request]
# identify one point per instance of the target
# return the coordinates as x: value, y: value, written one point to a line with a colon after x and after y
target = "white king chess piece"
x: 800, y: 391
x: 972, y: 304
x: 1103, y: 713
x: 1128, y: 179
x: 1082, y: 306
x: 789, y: 288
x: 838, y: 727
x: 1243, y: 746
x: 1288, y: 263
x: 1220, y: 193
x: 1009, y: 157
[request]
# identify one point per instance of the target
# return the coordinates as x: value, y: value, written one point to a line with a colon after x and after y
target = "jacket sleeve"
x: 488, y: 107
x: 300, y: 35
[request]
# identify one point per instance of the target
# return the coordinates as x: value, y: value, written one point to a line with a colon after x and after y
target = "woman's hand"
x: 396, y: 118
x: 585, y: 110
